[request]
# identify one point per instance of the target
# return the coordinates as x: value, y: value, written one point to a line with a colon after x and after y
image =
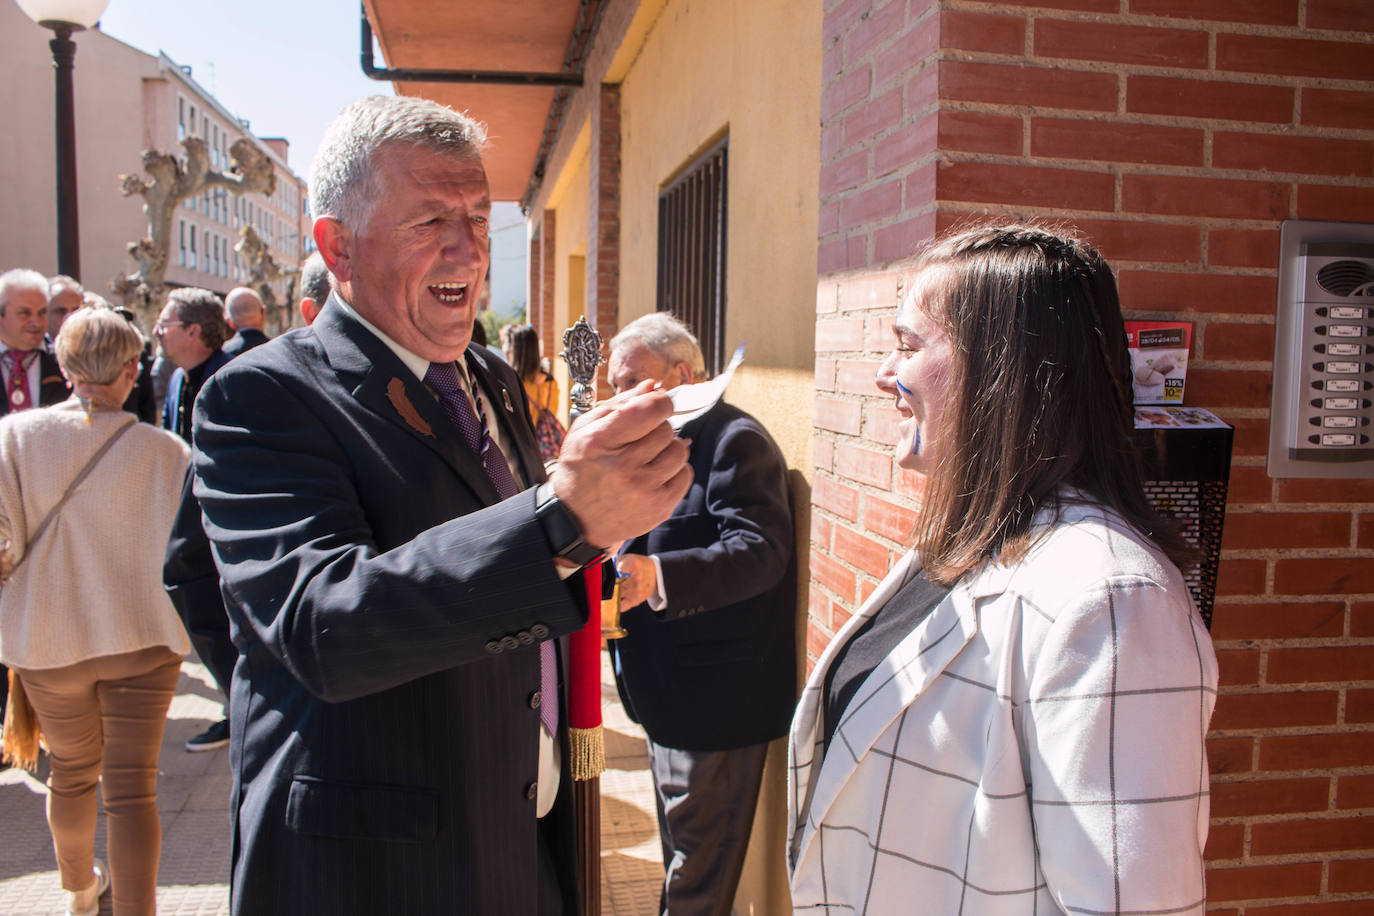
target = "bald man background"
x: 246, y: 315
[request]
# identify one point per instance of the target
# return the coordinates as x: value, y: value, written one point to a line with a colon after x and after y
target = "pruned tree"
x: 172, y: 180
x: 263, y: 271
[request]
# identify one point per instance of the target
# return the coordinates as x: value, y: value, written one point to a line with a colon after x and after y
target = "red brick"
x: 1227, y: 340
x: 1324, y: 576
x: 988, y: 182
x: 1229, y: 755
x: 1120, y: 44
x: 1243, y: 247
x: 863, y: 465
x: 825, y: 374
x: 1196, y: 292
x: 880, y: 422
x: 1250, y: 485
x: 1316, y: 752
x: 1340, y: 15
x: 1326, y: 490
x: 845, y: 92
x: 838, y: 416
x: 1258, y: 881
x: 832, y: 140
x: 1229, y: 387
x: 906, y: 147
x: 981, y: 32
x: 889, y: 519
x: 1284, y: 837
x: 856, y: 377
x: 1240, y: 577
x: 842, y: 254
x: 1355, y: 791
x: 874, y: 117
x: 1278, y: 621
x: 832, y: 575
x: 1199, y: 98
x: 1339, y: 202
x: 1361, y: 618
x: 1071, y: 138
x: 1334, y: 908
x: 840, y: 18
x: 1238, y: 667
x: 1351, y: 876
x: 920, y: 187
x: 1217, y: 197
x: 911, y: 49
x: 863, y: 552
x: 816, y: 641
x: 1364, y: 536
x: 1089, y: 6
x: 828, y: 220
x: 866, y: 588
x: 1338, y: 107
x: 821, y: 527
x: 1345, y: 60
x: 878, y: 332
x: 1225, y: 841
x: 1248, y: 711
x: 874, y: 290
x: 823, y: 453
x: 832, y: 63
x: 839, y: 334
x: 869, y: 206
x: 874, y: 27
x: 849, y: 172
x: 975, y: 132
x: 1267, y: 530
x: 1251, y: 438
x: 1022, y: 84
x: 1264, y: 12
x: 1136, y: 240
x: 1311, y: 665
x: 902, y: 240
x: 1301, y: 155
x: 923, y: 91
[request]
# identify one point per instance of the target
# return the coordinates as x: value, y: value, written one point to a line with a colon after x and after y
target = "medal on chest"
x: 17, y: 398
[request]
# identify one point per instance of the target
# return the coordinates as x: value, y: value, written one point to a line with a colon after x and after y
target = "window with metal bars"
x: 691, y: 250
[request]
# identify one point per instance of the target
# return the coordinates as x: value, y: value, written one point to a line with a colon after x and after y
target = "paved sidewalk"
x: 193, y: 793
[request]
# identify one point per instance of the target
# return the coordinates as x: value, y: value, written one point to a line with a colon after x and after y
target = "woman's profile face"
x: 916, y: 373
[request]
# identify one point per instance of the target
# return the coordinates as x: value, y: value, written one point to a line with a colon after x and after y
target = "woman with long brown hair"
x: 1013, y: 723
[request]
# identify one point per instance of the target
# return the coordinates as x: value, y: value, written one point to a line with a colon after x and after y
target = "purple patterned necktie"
x: 443, y: 378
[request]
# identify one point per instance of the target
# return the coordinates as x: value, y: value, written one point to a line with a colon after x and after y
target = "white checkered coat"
x: 1034, y: 746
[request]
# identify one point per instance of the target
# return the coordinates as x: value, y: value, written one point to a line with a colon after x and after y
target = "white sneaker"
x: 87, y: 902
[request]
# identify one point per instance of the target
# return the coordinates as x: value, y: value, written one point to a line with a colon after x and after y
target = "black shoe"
x: 216, y: 736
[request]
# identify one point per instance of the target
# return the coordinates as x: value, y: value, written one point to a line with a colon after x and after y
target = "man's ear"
x: 684, y: 370
x: 335, y: 243
x: 310, y: 309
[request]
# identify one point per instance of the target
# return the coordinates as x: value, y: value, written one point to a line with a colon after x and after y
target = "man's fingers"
x: 623, y: 419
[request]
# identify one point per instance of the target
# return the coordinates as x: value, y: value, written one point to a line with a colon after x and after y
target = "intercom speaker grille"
x: 1347, y: 278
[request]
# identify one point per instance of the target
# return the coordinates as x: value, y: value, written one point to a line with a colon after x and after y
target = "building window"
x: 691, y: 251
x: 181, y: 234
x: 214, y: 150
x: 195, y: 264
x: 181, y: 119
x: 192, y: 126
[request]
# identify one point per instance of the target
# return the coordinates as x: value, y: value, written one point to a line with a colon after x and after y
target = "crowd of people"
x: 374, y: 531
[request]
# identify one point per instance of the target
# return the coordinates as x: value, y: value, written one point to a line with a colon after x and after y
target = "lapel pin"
x: 396, y: 394
x: 505, y: 398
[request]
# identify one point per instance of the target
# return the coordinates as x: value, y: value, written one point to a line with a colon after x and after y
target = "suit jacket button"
x: 535, y: 699
x: 532, y: 791
x: 493, y: 648
x: 509, y: 642
x: 526, y: 638
x: 539, y: 631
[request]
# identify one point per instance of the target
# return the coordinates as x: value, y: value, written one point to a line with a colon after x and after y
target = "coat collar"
x: 906, y: 673
x: 381, y: 382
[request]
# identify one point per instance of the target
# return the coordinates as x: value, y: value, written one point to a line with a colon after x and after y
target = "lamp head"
x: 73, y: 14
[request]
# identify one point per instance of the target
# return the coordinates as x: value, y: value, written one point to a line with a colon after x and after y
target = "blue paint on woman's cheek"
x: 902, y: 388
x: 915, y: 439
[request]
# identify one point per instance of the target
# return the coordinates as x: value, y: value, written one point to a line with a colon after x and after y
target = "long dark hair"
x: 524, y: 351
x: 1039, y: 397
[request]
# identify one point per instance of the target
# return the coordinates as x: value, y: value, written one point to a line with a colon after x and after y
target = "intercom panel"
x: 1322, y: 416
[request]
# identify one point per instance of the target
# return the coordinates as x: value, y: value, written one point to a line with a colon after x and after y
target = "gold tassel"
x: 588, y: 753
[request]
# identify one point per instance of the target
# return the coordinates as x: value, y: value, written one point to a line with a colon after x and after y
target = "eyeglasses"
x: 162, y: 326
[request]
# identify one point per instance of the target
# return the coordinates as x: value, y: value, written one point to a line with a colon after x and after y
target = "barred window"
x: 692, y: 221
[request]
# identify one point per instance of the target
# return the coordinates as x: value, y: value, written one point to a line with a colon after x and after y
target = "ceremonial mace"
x: 582, y: 352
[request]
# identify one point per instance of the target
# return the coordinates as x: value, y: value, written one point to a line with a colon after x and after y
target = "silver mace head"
x: 582, y: 353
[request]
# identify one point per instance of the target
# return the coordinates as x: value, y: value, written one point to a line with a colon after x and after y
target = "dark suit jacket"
x: 716, y: 669
x: 176, y: 389
x: 384, y: 741
x: 243, y: 341
x: 52, y: 387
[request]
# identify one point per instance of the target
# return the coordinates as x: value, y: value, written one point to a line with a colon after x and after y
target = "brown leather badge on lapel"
x: 396, y: 394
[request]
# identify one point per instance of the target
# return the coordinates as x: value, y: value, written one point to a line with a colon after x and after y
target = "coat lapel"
x: 385, y: 386
x: 893, y: 685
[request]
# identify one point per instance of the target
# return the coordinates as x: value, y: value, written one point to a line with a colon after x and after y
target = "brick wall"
x: 1176, y: 134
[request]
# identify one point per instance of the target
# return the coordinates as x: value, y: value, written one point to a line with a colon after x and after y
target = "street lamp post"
x: 65, y: 17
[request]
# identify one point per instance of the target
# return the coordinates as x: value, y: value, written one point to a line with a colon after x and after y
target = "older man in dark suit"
x: 246, y: 314
x: 709, y: 665
x: 394, y: 563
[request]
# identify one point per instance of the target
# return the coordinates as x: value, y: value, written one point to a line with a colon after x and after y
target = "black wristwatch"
x: 565, y: 537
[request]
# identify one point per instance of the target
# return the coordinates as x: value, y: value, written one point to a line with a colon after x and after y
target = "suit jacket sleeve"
x: 353, y: 600
x: 739, y: 545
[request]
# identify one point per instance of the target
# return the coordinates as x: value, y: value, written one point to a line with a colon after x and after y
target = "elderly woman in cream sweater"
x: 84, y: 621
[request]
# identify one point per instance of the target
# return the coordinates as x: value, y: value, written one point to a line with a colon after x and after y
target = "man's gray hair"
x: 21, y: 278
x: 666, y: 337
x: 315, y: 278
x: 343, y: 175
x: 61, y: 283
x: 243, y: 306
x: 200, y: 306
